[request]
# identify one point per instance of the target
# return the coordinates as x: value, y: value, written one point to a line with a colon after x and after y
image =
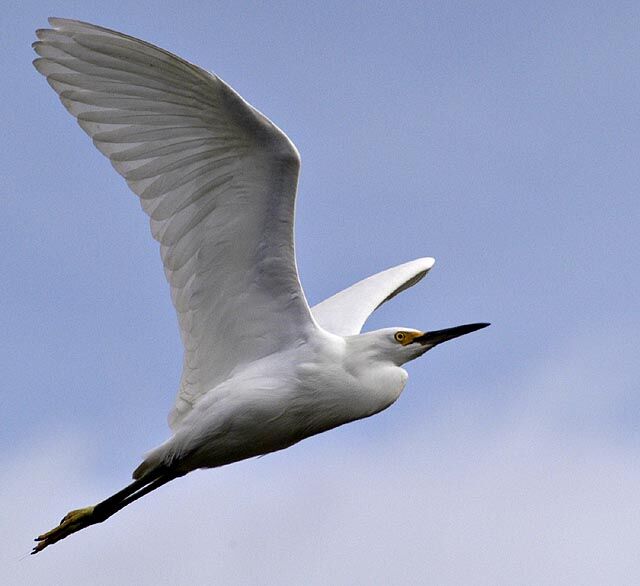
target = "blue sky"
x: 500, y: 138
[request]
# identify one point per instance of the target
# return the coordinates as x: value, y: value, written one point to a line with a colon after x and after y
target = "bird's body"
x: 262, y: 370
x: 318, y: 384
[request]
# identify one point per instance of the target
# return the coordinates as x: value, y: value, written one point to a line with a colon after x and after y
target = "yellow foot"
x: 71, y: 522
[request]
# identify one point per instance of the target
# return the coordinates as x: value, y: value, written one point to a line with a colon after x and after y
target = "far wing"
x: 346, y: 312
x: 217, y: 179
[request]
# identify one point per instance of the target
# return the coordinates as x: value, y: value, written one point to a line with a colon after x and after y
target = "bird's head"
x: 400, y: 345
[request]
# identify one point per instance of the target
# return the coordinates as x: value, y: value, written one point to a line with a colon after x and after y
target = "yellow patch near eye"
x: 405, y: 338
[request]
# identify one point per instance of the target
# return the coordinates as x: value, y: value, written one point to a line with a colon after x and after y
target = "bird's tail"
x: 153, y: 463
x: 80, y: 518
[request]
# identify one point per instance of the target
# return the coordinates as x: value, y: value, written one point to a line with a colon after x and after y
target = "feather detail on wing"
x: 217, y: 179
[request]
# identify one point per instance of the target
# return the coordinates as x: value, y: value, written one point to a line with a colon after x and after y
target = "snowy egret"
x: 262, y: 370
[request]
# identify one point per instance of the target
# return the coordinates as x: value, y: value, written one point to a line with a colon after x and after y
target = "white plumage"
x: 218, y: 181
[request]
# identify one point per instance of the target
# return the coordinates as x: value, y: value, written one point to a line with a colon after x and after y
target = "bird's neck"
x: 379, y: 380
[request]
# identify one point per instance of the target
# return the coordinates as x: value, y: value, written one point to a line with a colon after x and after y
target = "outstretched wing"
x: 217, y: 179
x: 345, y: 313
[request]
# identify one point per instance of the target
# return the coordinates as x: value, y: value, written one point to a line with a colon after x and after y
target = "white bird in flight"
x: 262, y: 370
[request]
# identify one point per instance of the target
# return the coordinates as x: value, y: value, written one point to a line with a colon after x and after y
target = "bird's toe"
x: 73, y: 521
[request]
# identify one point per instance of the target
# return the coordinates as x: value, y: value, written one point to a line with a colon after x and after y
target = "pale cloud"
x: 528, y: 496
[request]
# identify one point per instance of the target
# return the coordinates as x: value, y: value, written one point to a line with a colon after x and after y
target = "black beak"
x: 438, y: 336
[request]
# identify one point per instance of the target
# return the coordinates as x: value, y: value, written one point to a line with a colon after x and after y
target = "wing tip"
x: 422, y: 264
x: 427, y: 261
x: 58, y: 22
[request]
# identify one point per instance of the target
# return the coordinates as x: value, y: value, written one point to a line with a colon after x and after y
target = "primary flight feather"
x: 218, y: 181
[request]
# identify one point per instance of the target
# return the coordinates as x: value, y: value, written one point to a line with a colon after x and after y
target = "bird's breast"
x: 340, y: 394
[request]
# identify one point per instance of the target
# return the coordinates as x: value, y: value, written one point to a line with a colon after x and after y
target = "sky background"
x: 502, y: 138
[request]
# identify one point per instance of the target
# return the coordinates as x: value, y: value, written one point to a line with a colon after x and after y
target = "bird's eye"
x: 400, y: 337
